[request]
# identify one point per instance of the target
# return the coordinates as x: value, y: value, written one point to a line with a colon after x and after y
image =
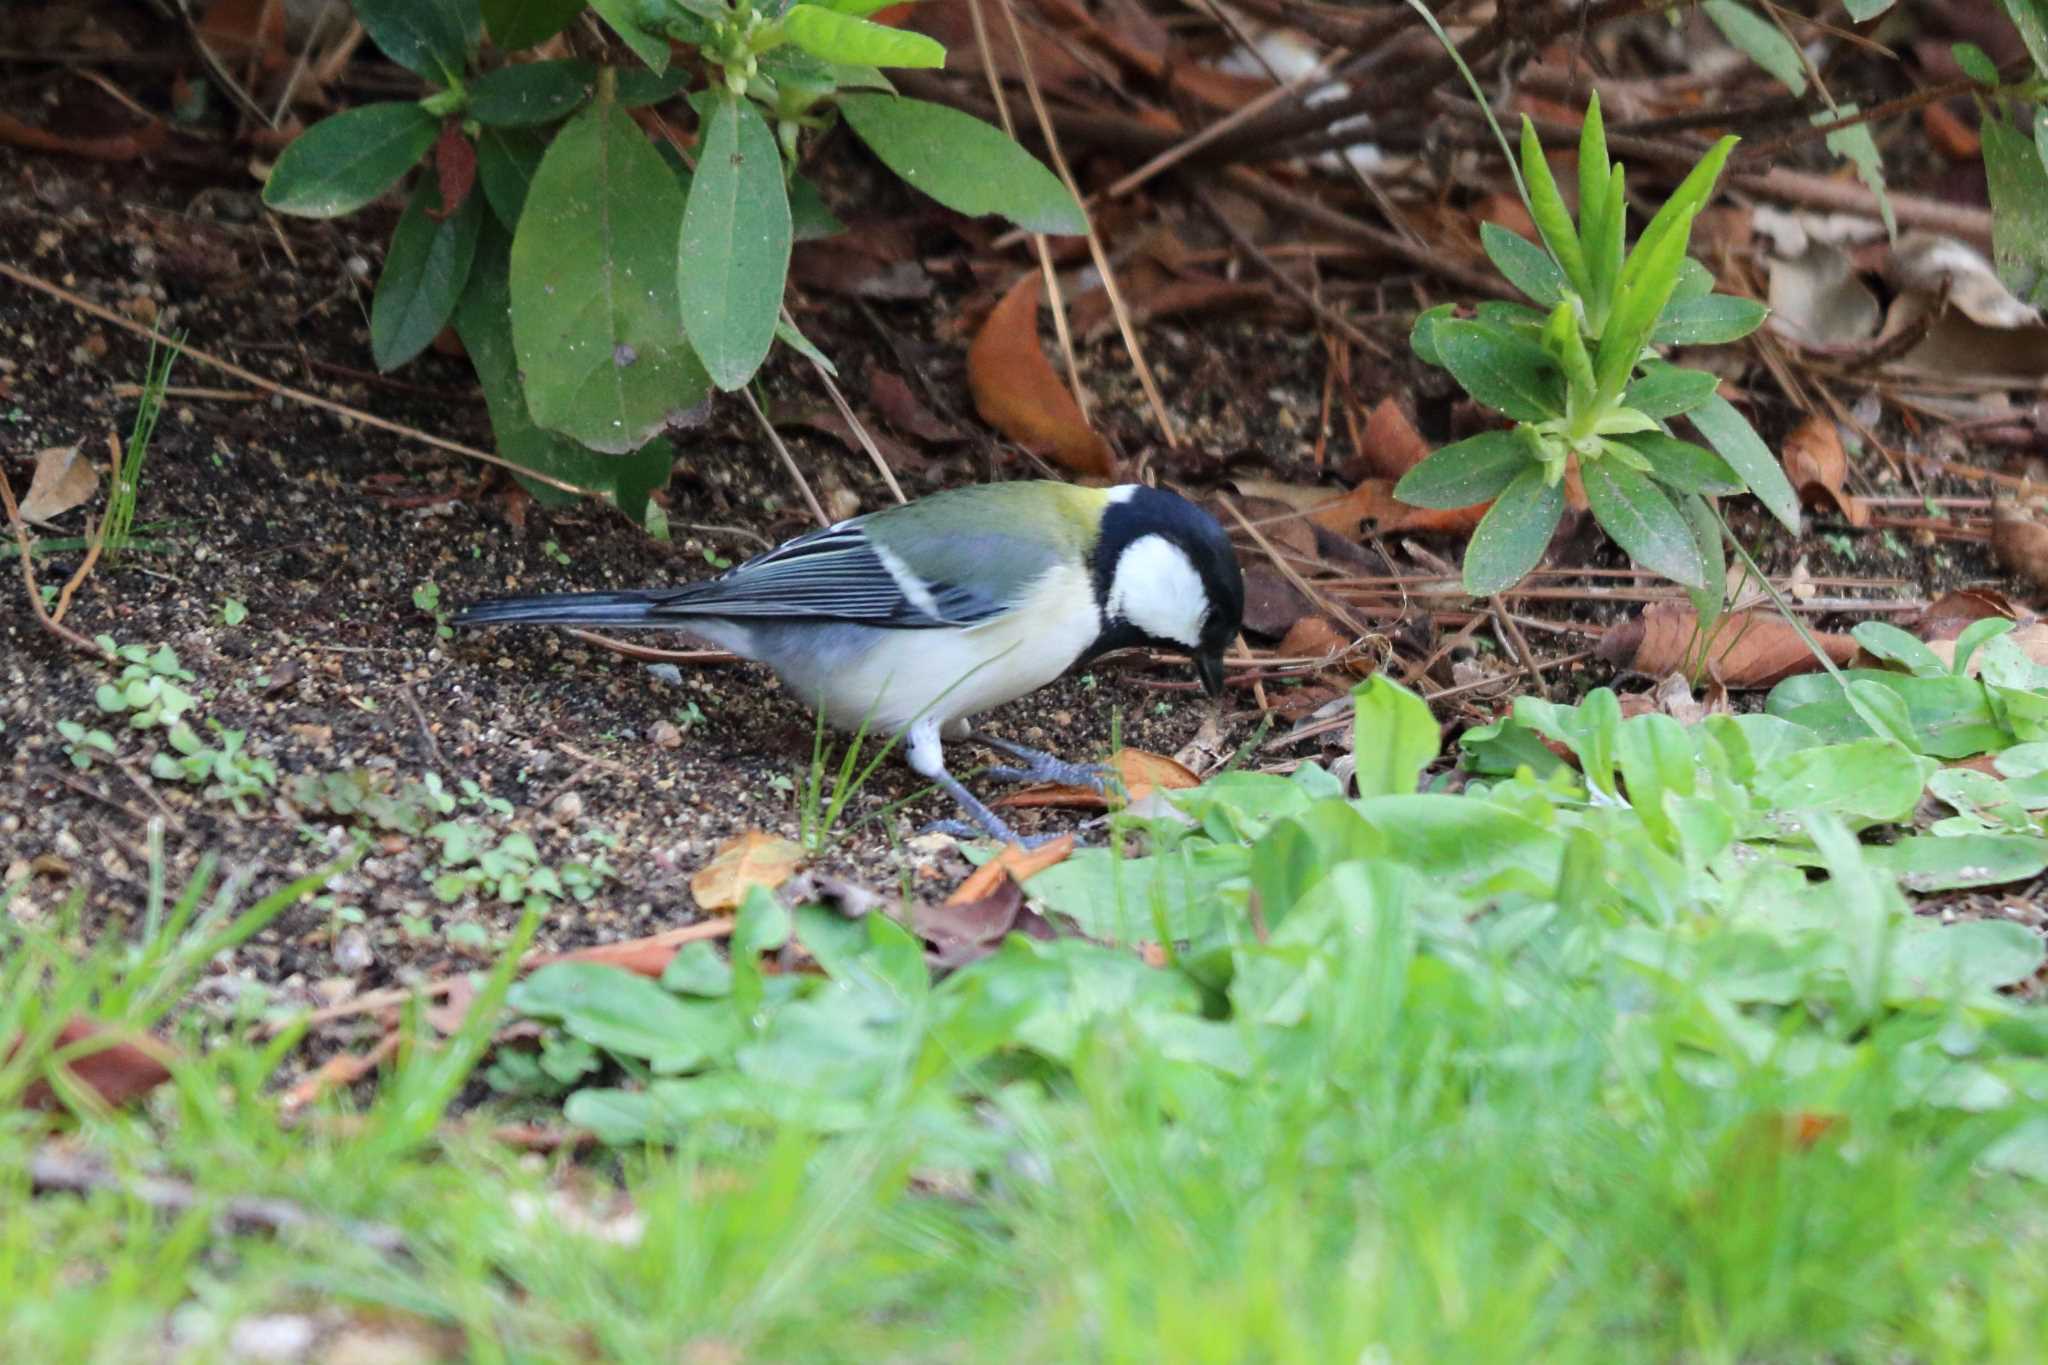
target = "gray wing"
x: 836, y: 574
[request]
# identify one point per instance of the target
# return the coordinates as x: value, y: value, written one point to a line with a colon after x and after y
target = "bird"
x: 912, y: 620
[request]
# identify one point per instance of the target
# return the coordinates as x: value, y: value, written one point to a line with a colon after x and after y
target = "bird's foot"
x: 961, y: 829
x: 1035, y: 765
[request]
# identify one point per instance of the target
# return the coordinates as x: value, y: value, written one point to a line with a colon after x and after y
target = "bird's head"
x: 1166, y: 575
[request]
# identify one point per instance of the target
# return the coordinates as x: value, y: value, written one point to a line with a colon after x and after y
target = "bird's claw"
x: 964, y: 830
x: 1093, y: 776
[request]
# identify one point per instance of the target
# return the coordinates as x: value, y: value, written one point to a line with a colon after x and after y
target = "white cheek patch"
x: 1157, y: 590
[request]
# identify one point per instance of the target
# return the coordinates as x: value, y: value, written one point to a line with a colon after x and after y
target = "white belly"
x: 945, y: 676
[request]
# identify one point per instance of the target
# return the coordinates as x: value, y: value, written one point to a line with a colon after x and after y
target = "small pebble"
x: 352, y: 951
x: 66, y: 843
x: 665, y: 735
x: 667, y: 673
x: 567, y: 806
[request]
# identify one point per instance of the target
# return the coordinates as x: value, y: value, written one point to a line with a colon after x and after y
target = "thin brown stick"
x: 788, y: 460
x: 1117, y: 307
x: 96, y: 539
x: 1202, y: 137
x: 28, y: 576
x: 271, y: 386
x: 1039, y: 245
x: 1292, y: 287
x: 650, y: 654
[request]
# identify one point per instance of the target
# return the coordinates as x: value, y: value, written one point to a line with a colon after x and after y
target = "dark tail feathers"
x: 644, y: 608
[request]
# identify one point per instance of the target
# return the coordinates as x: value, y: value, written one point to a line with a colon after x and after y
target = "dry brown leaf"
x: 1141, y: 772
x: 64, y: 478
x: 342, y: 1069
x: 1817, y: 466
x: 1014, y: 861
x: 130, y: 1066
x: 1392, y: 444
x: 110, y: 147
x: 1956, y: 610
x: 2019, y: 543
x: 1749, y: 648
x: 901, y: 409
x: 746, y: 860
x: 1017, y: 391
x: 964, y: 931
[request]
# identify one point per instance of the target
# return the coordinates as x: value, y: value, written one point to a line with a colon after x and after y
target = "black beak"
x: 1209, y: 668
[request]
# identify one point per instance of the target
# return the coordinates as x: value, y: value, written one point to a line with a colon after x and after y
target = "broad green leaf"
x: 2018, y: 182
x: 1595, y: 171
x: 1708, y: 321
x: 1528, y: 267
x: 838, y: 37
x: 1394, y: 737
x: 483, y: 321
x: 1975, y: 62
x: 638, y: 86
x: 342, y: 163
x: 1865, y: 779
x: 735, y: 243
x: 621, y: 1012
x: 506, y: 162
x: 861, y: 8
x: 1863, y: 11
x: 1504, y: 371
x: 698, y: 969
x: 2030, y: 17
x: 1855, y: 145
x: 425, y: 272
x: 594, y: 309
x: 530, y: 93
x: 1974, y: 636
x: 1460, y: 844
x: 1465, y: 472
x: 1591, y: 730
x: 1683, y: 465
x: 1510, y: 539
x: 1951, y: 716
x: 1730, y: 433
x: 1667, y: 390
x: 624, y: 18
x: 1301, y: 850
x: 1562, y: 342
x: 515, y: 24
x: 1760, y: 40
x: 788, y: 335
x: 1422, y: 336
x: 1887, y: 641
x: 433, y: 39
x: 1114, y: 898
x: 1642, y: 521
x: 1973, y: 958
x: 1710, y: 599
x: 810, y: 217
x: 962, y: 162
x: 1546, y: 207
x: 1924, y: 862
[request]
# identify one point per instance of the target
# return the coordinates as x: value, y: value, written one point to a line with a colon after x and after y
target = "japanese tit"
x: 914, y: 619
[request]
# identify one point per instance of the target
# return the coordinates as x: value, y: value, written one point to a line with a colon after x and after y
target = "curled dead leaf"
x: 747, y: 860
x: 1950, y: 614
x: 1017, y: 391
x: 1392, y: 444
x: 2019, y: 543
x: 1016, y: 862
x: 64, y: 478
x: 1748, y: 648
x: 1817, y: 466
x: 129, y: 1066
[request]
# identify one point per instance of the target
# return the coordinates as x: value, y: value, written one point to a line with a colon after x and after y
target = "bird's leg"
x: 985, y: 820
x: 1035, y: 765
x: 922, y: 752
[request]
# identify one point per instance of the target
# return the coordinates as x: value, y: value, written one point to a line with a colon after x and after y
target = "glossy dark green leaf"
x: 1762, y: 41
x: 515, y: 24
x: 433, y: 39
x: 1710, y: 599
x: 1527, y: 266
x: 1511, y: 538
x: 1504, y: 371
x: 1466, y: 472
x: 1422, y: 336
x: 342, y: 163
x: 1683, y: 465
x: 638, y: 86
x: 530, y: 93
x: 1547, y: 208
x: 483, y: 321
x: 1708, y: 321
x: 1730, y: 433
x: 965, y: 164
x: 624, y: 18
x: 594, y: 310
x: 1975, y: 62
x: 2018, y: 184
x: 612, y: 1008
x: 425, y: 272
x: 735, y: 242
x: 1668, y: 390
x: 506, y: 162
x: 1642, y: 520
